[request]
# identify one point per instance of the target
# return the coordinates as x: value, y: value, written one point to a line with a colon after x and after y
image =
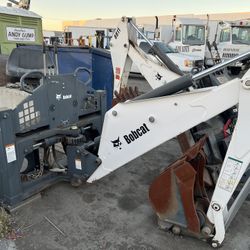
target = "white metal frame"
x: 135, y: 127
x: 169, y: 116
x: 125, y: 51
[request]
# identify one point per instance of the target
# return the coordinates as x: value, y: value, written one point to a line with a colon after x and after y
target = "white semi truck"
x: 232, y: 39
x: 214, y: 41
x: 189, y: 36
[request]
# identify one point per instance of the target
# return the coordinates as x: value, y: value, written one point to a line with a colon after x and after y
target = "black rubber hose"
x: 166, y: 60
x: 170, y: 88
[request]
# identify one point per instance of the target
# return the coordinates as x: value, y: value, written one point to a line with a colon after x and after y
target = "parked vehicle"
x: 189, y: 36
x: 231, y: 39
x: 186, y: 63
x: 214, y: 41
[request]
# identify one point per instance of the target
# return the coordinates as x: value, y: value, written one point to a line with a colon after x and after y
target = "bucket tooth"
x: 125, y: 94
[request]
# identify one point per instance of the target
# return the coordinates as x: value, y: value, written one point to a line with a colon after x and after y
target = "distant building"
x: 150, y: 20
x: 98, y: 37
x: 97, y: 32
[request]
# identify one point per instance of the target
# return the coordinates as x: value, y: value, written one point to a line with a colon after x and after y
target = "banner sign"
x: 17, y: 34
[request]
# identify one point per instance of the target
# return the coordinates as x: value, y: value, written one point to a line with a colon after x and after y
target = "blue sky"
x: 58, y: 10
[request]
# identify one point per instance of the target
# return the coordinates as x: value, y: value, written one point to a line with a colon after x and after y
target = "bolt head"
x: 215, y: 244
x: 206, y: 230
x: 216, y: 207
x: 151, y: 119
x: 98, y: 161
x: 52, y: 108
x: 247, y: 83
x: 176, y: 230
x: 114, y: 113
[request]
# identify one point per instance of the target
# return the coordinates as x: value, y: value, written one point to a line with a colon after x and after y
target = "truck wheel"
x: 3, y: 76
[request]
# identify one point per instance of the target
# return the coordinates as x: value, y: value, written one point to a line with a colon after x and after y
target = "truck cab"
x: 233, y: 40
x: 186, y: 63
x: 189, y: 36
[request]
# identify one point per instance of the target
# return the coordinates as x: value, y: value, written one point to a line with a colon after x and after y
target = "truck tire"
x: 3, y: 76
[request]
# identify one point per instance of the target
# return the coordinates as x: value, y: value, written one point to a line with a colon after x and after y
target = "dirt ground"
x: 113, y: 213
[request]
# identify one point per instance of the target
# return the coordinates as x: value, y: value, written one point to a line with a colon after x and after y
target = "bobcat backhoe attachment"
x: 179, y: 195
x: 190, y: 196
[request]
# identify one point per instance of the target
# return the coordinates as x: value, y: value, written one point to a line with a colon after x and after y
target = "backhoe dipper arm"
x: 158, y: 116
x: 157, y: 120
x: 125, y: 51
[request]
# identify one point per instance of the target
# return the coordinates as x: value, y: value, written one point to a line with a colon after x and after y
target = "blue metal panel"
x: 103, y: 74
x: 70, y: 58
x: 97, y: 60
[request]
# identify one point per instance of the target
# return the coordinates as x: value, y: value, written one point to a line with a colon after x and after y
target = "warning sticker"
x: 78, y: 164
x: 230, y: 174
x: 10, y: 152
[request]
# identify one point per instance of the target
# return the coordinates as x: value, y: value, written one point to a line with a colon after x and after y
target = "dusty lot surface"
x: 113, y: 213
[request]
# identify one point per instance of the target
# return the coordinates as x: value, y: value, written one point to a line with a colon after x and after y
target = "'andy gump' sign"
x: 16, y: 34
